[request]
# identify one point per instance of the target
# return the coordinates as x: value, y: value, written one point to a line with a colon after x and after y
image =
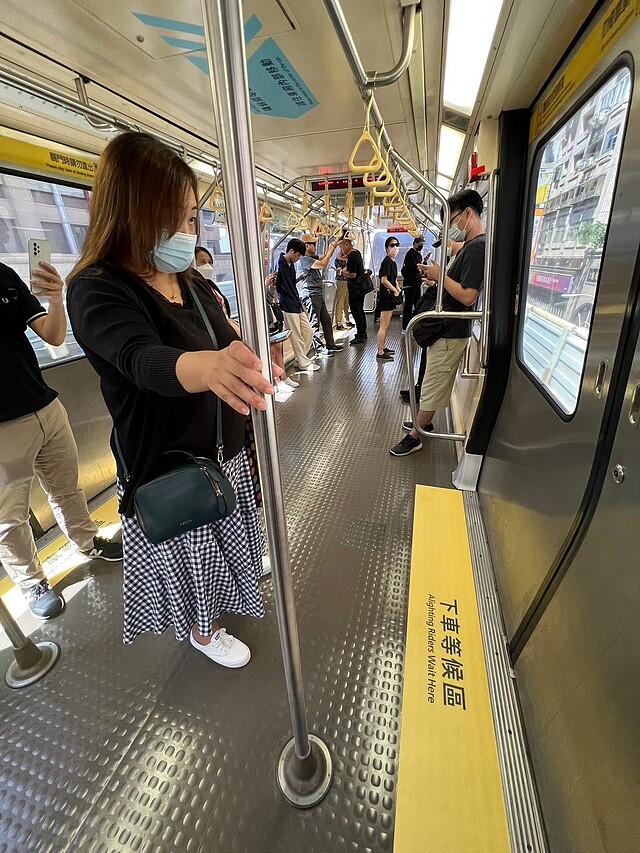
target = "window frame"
x: 42, y: 177
x: 624, y: 61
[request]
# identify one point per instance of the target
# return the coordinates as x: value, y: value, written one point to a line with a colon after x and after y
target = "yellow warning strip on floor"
x: 450, y: 796
x: 60, y: 557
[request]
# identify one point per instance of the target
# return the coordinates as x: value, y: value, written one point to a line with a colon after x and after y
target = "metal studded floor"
x: 154, y: 748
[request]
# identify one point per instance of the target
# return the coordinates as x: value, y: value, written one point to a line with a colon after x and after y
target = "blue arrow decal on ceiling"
x: 275, y: 87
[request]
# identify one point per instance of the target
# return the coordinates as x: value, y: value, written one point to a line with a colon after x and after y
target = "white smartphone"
x: 39, y: 250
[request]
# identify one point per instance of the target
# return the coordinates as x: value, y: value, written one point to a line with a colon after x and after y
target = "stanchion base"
x: 305, y: 782
x: 17, y: 677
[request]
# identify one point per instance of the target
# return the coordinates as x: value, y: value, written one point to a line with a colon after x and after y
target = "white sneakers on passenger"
x: 224, y: 649
x: 283, y: 388
x: 266, y: 566
x: 291, y: 383
x: 281, y: 396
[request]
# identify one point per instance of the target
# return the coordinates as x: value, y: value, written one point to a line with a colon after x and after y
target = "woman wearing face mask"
x: 133, y: 314
x: 204, y: 265
x: 389, y: 295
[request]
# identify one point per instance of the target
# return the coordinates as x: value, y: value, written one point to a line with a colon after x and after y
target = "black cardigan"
x: 133, y: 338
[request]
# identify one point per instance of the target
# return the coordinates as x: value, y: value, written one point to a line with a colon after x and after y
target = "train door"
x: 579, y: 673
x: 582, y: 208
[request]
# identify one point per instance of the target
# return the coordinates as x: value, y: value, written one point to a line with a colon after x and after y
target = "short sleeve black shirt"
x: 468, y: 270
x: 355, y: 264
x: 22, y: 388
x: 286, y: 287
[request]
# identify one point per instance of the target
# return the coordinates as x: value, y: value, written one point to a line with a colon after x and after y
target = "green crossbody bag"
x: 186, y: 491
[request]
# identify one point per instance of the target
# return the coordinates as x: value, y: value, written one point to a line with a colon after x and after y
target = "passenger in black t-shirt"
x: 411, y: 279
x: 354, y: 273
x: 388, y: 295
x: 462, y: 283
x: 35, y: 438
x: 133, y: 313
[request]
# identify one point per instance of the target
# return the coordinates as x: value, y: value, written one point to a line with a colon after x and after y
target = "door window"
x: 575, y: 182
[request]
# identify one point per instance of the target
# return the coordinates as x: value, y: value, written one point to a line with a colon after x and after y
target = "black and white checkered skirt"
x: 196, y: 577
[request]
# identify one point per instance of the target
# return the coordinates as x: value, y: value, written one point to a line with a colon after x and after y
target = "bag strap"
x: 214, y: 340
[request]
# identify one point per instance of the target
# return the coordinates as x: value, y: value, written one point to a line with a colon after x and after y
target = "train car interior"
x: 449, y: 659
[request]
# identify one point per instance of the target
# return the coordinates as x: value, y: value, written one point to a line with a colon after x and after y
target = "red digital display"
x: 397, y: 230
x: 336, y: 184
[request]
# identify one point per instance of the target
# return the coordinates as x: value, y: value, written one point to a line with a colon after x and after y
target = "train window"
x: 575, y: 182
x: 60, y: 213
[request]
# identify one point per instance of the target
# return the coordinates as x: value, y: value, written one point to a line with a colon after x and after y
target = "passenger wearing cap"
x: 309, y: 269
x: 412, y: 279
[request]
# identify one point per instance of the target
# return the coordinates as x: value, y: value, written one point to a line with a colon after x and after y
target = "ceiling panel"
x: 160, y: 40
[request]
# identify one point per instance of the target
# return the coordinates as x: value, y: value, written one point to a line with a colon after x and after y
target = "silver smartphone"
x: 39, y: 250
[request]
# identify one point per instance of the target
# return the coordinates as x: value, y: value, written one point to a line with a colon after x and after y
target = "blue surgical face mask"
x: 457, y: 234
x: 175, y: 253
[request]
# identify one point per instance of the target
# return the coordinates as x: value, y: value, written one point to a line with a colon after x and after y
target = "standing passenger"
x: 133, y: 314
x: 388, y: 295
x: 412, y: 280
x: 354, y: 273
x: 294, y: 314
x: 342, y: 294
x: 204, y: 265
x: 35, y: 438
x: 463, y: 281
x: 311, y: 266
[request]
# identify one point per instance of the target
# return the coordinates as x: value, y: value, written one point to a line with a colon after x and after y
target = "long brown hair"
x: 138, y: 195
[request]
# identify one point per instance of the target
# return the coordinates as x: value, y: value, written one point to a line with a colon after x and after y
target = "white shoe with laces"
x: 224, y: 649
x: 291, y: 383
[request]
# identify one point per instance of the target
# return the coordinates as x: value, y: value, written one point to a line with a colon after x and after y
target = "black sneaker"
x: 104, y: 549
x: 386, y: 356
x: 390, y: 351
x: 406, y: 446
x: 356, y: 340
x: 336, y: 348
x: 407, y: 426
x: 404, y: 394
x: 43, y: 602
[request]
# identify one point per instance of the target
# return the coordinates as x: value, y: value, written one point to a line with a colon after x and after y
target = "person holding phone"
x: 412, y: 280
x: 36, y: 439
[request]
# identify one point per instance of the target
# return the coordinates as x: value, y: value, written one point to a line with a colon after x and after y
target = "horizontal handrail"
x: 386, y: 78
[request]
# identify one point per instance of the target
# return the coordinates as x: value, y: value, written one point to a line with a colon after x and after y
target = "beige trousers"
x: 301, y: 337
x: 342, y: 303
x: 443, y: 359
x: 40, y: 443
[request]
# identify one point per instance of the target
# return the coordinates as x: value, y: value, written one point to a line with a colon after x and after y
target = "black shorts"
x: 386, y: 300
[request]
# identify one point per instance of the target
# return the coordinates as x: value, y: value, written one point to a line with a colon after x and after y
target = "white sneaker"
x: 311, y: 367
x: 281, y: 397
x: 224, y: 649
x: 291, y: 383
x: 266, y: 566
x: 283, y: 388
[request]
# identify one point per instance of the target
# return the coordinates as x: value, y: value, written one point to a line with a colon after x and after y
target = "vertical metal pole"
x: 305, y: 769
x: 487, y: 296
x: 31, y: 661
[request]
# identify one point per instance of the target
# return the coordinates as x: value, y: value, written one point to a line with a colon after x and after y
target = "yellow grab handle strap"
x: 388, y: 193
x: 265, y: 214
x: 374, y: 163
x: 383, y: 179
